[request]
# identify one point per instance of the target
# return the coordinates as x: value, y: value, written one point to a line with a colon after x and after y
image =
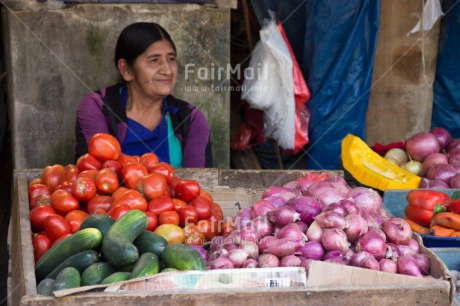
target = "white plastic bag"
x: 269, y: 85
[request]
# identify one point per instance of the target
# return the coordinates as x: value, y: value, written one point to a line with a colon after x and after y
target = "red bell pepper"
x: 424, y: 204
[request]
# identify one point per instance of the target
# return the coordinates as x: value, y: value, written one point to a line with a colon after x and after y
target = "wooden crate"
x: 378, y: 288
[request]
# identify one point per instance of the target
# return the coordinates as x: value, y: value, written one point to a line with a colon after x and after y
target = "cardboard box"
x: 326, y: 284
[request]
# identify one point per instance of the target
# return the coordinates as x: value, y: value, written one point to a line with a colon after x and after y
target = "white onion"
x: 398, y: 155
x: 413, y: 166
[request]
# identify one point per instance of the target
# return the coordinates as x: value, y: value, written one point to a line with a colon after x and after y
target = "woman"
x: 140, y: 111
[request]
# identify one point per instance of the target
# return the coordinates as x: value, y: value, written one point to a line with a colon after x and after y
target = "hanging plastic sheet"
x: 446, y: 89
x: 338, y: 58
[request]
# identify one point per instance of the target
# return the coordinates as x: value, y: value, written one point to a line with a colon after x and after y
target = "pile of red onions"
x: 438, y: 157
x: 319, y: 217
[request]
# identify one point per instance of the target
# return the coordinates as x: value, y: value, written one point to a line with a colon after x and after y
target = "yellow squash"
x: 373, y: 170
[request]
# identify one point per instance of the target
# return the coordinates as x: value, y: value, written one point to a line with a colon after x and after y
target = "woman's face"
x: 155, y: 70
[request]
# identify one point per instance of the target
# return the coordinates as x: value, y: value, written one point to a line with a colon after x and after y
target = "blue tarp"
x: 334, y: 42
x: 446, y: 87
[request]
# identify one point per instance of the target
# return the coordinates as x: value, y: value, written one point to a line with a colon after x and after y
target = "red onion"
x: 453, y: 154
x: 397, y: 231
x: 358, y: 257
x: 334, y: 254
x: 265, y: 242
x: 222, y: 252
x: 388, y: 265
x: 407, y: 250
x: 275, y: 200
x: 230, y: 246
x: 318, y: 187
x: 335, y: 240
x: 216, y: 243
x: 455, y: 163
x: 424, y: 263
x: 339, y: 183
x: 251, y: 247
x: 407, y: 265
x: 250, y: 263
x: 290, y: 261
x: 283, y: 247
x: 455, y: 181
x: 379, y: 232
x: 335, y: 207
x: 281, y: 192
x: 307, y: 207
x: 413, y: 245
x: 339, y: 261
x: 268, y: 261
x: 431, y: 160
x: 242, y: 218
x: 372, y: 243
x: 222, y: 263
x: 357, y: 226
x: 455, y: 144
x: 260, y: 209
x: 433, y: 184
x: 283, y: 215
x: 262, y: 226
x: 348, y: 255
x: 249, y: 234
x: 200, y: 250
x: 366, y: 199
x: 306, y: 264
x: 369, y: 263
x: 394, y: 251
x: 349, y: 207
x: 330, y: 196
x: 443, y: 172
x: 371, y: 222
x: 302, y: 225
x: 421, y: 145
x: 304, y: 183
x: 443, y: 136
x: 291, y: 232
x: 312, y: 250
x: 238, y: 256
x: 233, y: 238
x: 314, y: 232
x: 291, y: 185
x: 331, y: 219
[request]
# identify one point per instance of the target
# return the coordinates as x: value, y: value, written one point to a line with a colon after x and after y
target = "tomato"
x: 207, y: 195
x: 119, y: 191
x: 38, y: 215
x: 152, y: 186
x: 67, y: 186
x: 70, y: 173
x: 148, y: 160
x: 100, y: 211
x: 56, y: 226
x: 226, y: 227
x: 88, y: 162
x: 125, y: 159
x: 60, y: 239
x: 104, y: 147
x: 112, y: 164
x: 217, y: 209
x: 36, y: 191
x: 117, y: 211
x: 203, y: 207
x: 106, y: 181
x: 178, y: 204
x: 173, y: 184
x: 160, y: 204
x: 84, y: 188
x: 52, y: 175
x: 168, y: 217
x: 75, y: 219
x: 98, y: 202
x: 187, y: 190
x: 193, y: 235
x: 209, y: 228
x: 133, y: 199
x: 187, y: 215
x: 88, y: 173
x: 152, y: 221
x: 41, y: 244
x: 44, y: 199
x: 132, y: 173
x: 164, y: 169
x: 37, y: 180
x: 168, y: 192
x: 172, y: 233
x: 63, y: 202
x: 214, y: 217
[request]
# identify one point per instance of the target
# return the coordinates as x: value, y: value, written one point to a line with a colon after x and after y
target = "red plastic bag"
x: 301, y: 95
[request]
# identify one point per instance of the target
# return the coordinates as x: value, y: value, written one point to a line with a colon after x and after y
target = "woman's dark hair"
x: 136, y: 38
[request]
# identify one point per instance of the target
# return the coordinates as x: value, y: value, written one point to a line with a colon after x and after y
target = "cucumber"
x: 117, y: 245
x: 150, y: 242
x: 116, y: 277
x: 45, y: 287
x: 94, y: 274
x: 79, y: 261
x: 169, y: 270
x: 66, y: 279
x: 100, y: 221
x: 182, y: 257
x: 87, y: 239
x: 147, y: 264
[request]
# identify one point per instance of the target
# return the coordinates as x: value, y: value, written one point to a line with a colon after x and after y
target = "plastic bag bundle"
x: 269, y: 85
